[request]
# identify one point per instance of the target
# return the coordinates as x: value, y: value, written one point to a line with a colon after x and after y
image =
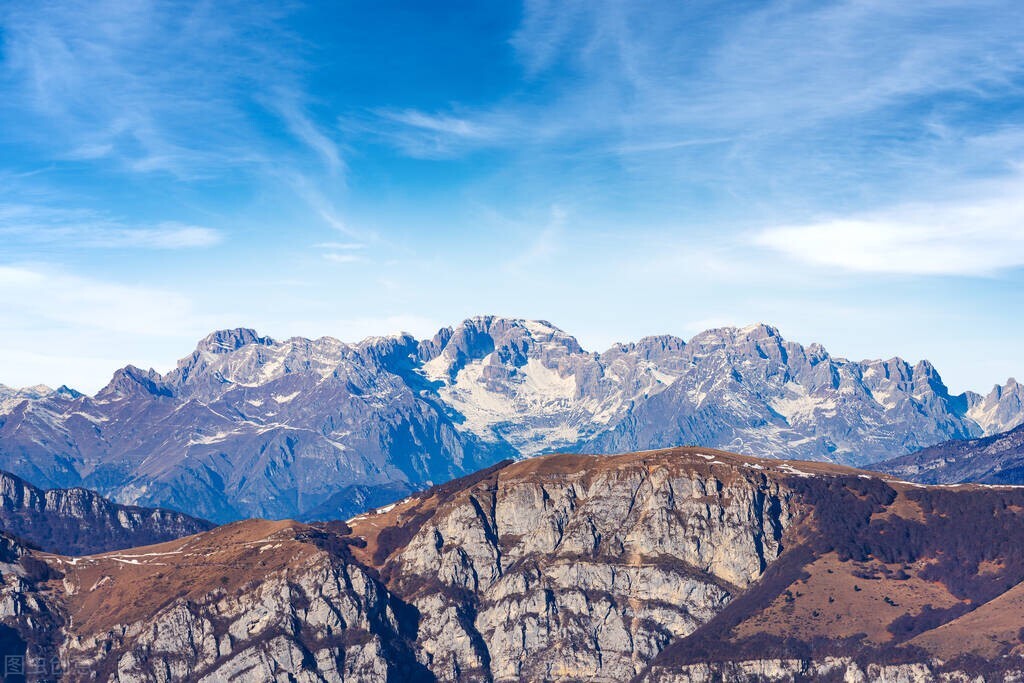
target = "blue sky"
x: 849, y: 172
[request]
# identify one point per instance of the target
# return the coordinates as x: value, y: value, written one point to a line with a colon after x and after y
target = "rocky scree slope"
x: 318, y: 429
x: 677, y: 565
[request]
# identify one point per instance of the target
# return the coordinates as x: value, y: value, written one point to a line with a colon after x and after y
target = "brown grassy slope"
x: 875, y: 564
x: 991, y: 630
x: 132, y: 585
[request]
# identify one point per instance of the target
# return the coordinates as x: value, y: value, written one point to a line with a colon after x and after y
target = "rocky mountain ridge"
x: 249, y: 426
x: 80, y: 522
x: 996, y: 459
x: 675, y: 565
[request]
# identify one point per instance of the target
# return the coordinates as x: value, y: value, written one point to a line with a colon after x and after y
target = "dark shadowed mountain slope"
x: 997, y: 459
x: 80, y: 522
x: 246, y: 426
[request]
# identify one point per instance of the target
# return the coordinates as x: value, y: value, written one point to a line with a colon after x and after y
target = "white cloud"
x: 632, y: 79
x: 438, y: 135
x: 341, y: 252
x: 977, y: 238
x: 40, y: 297
x: 448, y: 125
x: 321, y: 203
x: 64, y: 328
x: 168, y: 236
x: 547, y: 26
x: 541, y: 244
x: 335, y: 257
x: 343, y: 246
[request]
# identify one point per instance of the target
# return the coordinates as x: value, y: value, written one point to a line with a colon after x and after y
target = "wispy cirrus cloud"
x: 777, y: 65
x: 287, y: 106
x: 342, y: 257
x: 443, y: 124
x: 549, y: 28
x: 341, y: 252
x: 163, y: 236
x: 318, y: 197
x: 420, y: 134
x: 540, y: 240
x: 342, y: 246
x: 977, y: 236
x: 84, y: 229
x: 818, y: 84
x: 156, y: 86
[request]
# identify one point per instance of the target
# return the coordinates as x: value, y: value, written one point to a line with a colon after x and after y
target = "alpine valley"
x: 246, y: 426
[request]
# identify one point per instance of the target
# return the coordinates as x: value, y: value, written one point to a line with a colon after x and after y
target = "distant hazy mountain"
x: 81, y: 522
x: 997, y: 459
x: 249, y: 426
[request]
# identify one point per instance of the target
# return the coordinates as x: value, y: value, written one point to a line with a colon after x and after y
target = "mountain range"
x: 246, y: 426
x: 996, y: 459
x: 681, y: 565
x: 81, y: 522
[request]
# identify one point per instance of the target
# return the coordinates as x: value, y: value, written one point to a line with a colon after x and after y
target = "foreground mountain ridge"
x: 673, y: 565
x: 249, y: 426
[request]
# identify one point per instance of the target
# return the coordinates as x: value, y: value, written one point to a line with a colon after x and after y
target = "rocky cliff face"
x: 257, y: 601
x: 32, y: 619
x: 679, y: 565
x: 267, y: 601
x: 576, y: 568
x: 249, y: 426
x: 1001, y: 409
x: 79, y: 522
x: 846, y: 669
